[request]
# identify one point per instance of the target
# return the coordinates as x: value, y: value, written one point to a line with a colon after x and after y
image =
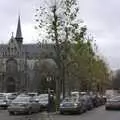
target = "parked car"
x: 95, y: 100
x: 24, y: 104
x: 4, y: 102
x: 43, y: 101
x: 113, y: 103
x: 105, y: 98
x: 32, y: 94
x: 98, y: 100
x: 10, y: 97
x: 75, y: 94
x: 88, y: 101
x: 102, y: 100
x: 72, y: 104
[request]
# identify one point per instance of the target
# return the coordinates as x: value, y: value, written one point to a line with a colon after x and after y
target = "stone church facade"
x: 17, y: 61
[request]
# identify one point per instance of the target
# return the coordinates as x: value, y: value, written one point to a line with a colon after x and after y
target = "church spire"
x: 19, y: 37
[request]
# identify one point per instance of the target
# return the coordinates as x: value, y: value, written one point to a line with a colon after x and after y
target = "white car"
x: 4, y: 101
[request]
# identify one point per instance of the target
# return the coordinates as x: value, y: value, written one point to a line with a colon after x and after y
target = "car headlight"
x: 61, y: 105
x: 75, y: 104
x: 4, y: 103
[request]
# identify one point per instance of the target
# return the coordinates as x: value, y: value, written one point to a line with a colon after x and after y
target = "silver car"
x: 113, y: 103
x: 4, y: 101
x: 42, y: 100
x: 24, y: 104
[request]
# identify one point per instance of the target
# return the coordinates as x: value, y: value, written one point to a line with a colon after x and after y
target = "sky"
x: 102, y: 18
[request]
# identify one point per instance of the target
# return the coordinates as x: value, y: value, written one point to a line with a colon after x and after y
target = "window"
x: 11, y: 65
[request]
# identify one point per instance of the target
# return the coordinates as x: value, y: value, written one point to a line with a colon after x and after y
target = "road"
x: 4, y: 115
x: 96, y: 114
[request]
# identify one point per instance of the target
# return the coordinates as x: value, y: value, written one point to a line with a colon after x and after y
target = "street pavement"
x: 4, y: 115
x: 95, y: 114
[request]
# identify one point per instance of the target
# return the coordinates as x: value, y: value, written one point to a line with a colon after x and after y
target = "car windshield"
x: 70, y: 99
x: 43, y: 96
x: 11, y: 97
x: 75, y: 95
x: 44, y: 99
x: 21, y: 100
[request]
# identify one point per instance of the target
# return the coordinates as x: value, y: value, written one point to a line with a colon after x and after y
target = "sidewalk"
x: 47, y: 116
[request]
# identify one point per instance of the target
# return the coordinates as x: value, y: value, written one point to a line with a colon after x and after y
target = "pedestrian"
x: 51, y: 102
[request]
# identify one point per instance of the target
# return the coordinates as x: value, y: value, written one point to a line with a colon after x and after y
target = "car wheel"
x: 11, y: 113
x: 85, y: 110
x: 61, y: 112
x: 80, y: 111
x: 30, y: 111
x: 40, y: 110
x: 106, y: 108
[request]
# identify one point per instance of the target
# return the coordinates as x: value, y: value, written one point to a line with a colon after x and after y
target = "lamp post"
x: 48, y: 79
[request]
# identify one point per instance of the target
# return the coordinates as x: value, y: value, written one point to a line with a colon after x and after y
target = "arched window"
x: 11, y: 65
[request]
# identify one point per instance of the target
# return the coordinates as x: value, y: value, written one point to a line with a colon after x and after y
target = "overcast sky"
x: 102, y: 18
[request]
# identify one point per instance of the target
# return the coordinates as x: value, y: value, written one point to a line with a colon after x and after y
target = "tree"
x: 75, y: 55
x: 116, y: 80
x: 60, y: 24
x: 44, y: 69
x: 89, y: 71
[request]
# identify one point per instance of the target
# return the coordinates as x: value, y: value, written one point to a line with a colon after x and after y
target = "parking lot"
x: 32, y: 106
x: 96, y: 114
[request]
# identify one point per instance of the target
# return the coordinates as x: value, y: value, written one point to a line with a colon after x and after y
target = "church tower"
x: 19, y: 37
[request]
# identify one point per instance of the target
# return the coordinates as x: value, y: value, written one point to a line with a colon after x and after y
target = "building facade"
x: 17, y: 61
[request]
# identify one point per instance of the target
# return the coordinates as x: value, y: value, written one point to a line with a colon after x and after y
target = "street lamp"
x: 48, y: 79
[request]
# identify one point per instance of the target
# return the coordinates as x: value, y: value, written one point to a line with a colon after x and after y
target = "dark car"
x: 88, y: 101
x: 97, y: 100
x: 94, y: 100
x: 72, y: 105
x: 113, y: 103
x: 102, y: 100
